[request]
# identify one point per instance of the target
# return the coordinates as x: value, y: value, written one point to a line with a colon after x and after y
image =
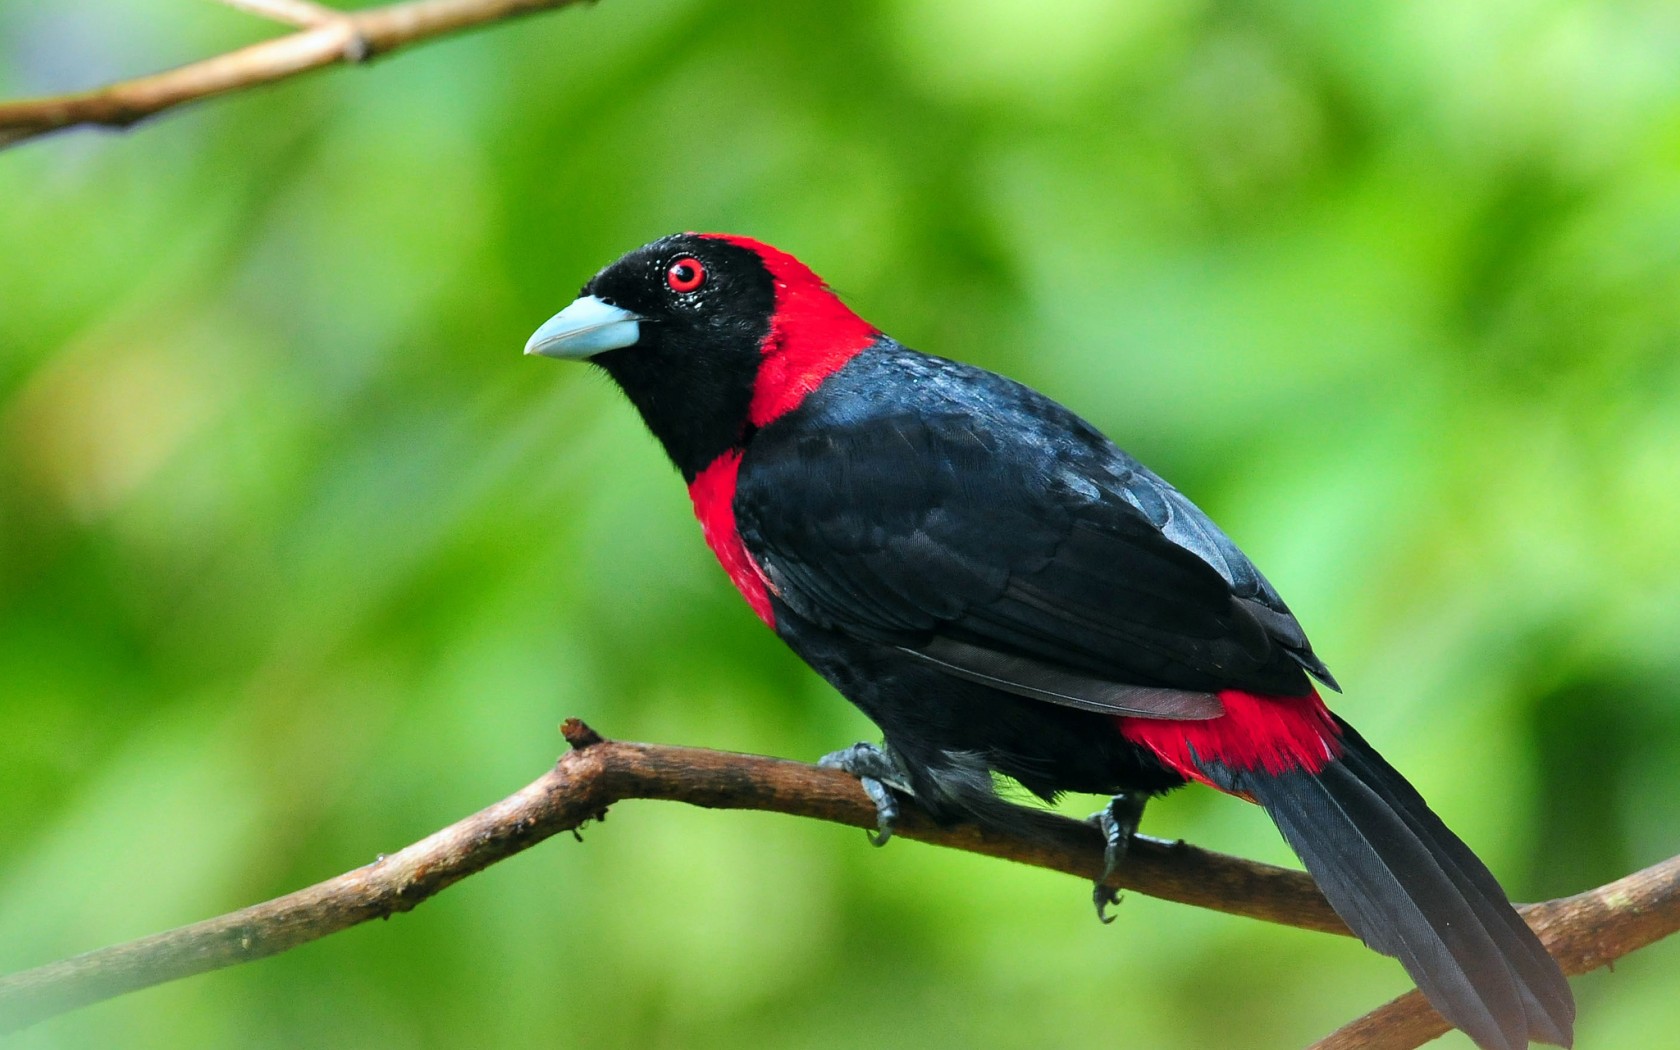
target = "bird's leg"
x: 880, y: 776
x: 1118, y: 822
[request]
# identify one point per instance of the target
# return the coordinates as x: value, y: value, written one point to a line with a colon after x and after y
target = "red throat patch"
x: 812, y: 334
x: 713, y: 493
x: 1275, y: 734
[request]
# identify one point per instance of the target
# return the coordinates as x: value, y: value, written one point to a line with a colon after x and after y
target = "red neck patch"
x: 713, y: 493
x: 812, y: 334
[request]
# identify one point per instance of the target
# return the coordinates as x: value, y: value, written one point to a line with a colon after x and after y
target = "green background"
x: 300, y: 560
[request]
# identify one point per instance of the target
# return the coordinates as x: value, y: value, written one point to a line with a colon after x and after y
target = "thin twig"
x: 334, y: 36
x: 580, y: 787
x: 303, y: 13
x: 1583, y: 933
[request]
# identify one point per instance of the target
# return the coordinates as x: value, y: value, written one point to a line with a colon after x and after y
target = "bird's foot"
x: 880, y: 776
x: 1118, y: 822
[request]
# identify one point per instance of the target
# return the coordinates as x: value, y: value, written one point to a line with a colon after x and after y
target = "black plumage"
x: 1003, y: 590
x: 916, y: 500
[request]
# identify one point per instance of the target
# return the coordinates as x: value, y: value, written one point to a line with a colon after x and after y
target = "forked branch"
x: 326, y: 36
x: 594, y: 775
x: 1584, y: 931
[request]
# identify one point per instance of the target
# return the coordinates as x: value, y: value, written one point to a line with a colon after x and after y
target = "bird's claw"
x: 1118, y: 822
x: 1102, y: 896
x: 879, y: 776
x: 886, y: 809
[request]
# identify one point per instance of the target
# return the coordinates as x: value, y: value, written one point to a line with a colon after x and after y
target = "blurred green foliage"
x: 299, y: 560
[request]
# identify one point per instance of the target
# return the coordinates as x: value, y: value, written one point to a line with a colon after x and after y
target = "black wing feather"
x: 945, y: 510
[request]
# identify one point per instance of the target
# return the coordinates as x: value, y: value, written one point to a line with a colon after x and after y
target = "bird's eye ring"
x: 686, y: 274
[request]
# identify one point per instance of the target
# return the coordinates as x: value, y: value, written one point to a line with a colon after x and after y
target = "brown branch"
x: 330, y: 37
x: 1585, y: 931
x: 1582, y: 932
x: 304, y: 13
x: 588, y: 779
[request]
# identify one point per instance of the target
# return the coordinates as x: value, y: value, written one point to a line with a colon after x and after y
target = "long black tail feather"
x: 1408, y: 887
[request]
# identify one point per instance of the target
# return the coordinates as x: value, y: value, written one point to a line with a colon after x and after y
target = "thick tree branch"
x: 581, y: 786
x: 1582, y: 932
x: 1585, y: 931
x: 328, y: 37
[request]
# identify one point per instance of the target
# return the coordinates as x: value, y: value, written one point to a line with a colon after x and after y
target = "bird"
x: 1001, y: 589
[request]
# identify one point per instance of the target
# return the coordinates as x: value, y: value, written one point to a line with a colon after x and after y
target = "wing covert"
x: 1008, y: 548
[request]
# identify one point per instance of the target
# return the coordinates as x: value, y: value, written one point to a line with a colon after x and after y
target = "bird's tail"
x: 1408, y: 887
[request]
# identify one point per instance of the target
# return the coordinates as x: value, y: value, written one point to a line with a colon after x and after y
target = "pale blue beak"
x: 587, y: 327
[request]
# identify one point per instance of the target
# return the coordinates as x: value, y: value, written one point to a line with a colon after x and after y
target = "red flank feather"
x: 1276, y: 734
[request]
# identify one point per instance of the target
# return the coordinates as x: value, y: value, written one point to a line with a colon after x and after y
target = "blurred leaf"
x: 299, y: 560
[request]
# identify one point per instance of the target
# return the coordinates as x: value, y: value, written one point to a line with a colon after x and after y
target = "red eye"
x: 686, y: 274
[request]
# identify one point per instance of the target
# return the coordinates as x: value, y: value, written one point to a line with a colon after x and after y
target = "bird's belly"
x: 928, y: 716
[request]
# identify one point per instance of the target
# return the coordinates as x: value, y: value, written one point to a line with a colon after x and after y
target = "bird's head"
x: 711, y: 336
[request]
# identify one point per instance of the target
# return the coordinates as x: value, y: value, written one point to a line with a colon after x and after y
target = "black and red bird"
x: 1003, y: 590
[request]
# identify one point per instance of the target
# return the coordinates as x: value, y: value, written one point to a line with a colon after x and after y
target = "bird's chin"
x: 587, y: 327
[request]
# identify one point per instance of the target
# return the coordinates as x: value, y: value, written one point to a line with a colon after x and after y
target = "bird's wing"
x: 1007, y: 554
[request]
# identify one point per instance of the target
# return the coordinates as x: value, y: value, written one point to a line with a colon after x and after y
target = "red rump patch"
x: 1276, y: 734
x: 812, y: 334
x: 713, y: 493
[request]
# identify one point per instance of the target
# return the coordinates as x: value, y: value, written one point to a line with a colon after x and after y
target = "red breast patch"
x: 713, y: 493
